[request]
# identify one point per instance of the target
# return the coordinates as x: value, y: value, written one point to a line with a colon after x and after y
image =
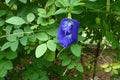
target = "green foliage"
x: 40, y: 50
x: 5, y: 62
x: 29, y: 49
x: 30, y: 17
x: 15, y: 20
x: 75, y: 49
x: 113, y: 67
x: 51, y: 45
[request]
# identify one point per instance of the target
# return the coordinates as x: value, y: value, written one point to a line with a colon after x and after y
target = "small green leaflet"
x: 30, y: 17
x: 51, y: 45
x: 42, y: 36
x: 23, y: 1
x: 76, y: 50
x: 15, y: 20
x: 40, y: 50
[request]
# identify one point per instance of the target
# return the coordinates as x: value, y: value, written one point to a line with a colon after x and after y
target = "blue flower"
x: 68, y: 32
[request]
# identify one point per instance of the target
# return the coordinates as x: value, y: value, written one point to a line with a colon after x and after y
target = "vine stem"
x: 60, y: 52
x: 95, y: 59
x: 16, y: 34
x: 107, y: 6
x: 30, y: 32
x: 65, y: 71
x: 98, y: 45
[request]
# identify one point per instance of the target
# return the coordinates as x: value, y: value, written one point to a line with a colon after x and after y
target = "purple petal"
x: 68, y: 32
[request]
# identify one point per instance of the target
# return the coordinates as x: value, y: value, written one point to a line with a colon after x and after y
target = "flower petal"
x: 68, y: 32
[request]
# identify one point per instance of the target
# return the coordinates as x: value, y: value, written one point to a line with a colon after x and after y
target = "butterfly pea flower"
x: 68, y: 32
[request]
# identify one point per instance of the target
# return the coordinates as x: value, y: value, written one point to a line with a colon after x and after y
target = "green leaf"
x: 8, y: 29
x: 92, y: 0
x: 8, y: 65
x: 3, y: 72
x: 79, y: 67
x: 71, y: 65
x: 2, y: 64
x: 34, y: 27
x: 30, y: 17
x: 62, y: 3
x: 51, y: 45
x: 11, y: 55
x: 15, y: 20
x: 2, y: 55
x: 49, y: 3
x: 110, y: 37
x: 34, y: 75
x: 11, y: 38
x: 18, y: 32
x: 14, y: 46
x: 42, y: 36
x: 81, y: 38
x: 40, y: 50
x: 61, y: 11
x: 115, y: 71
x: 5, y: 46
x: 23, y: 1
x: 58, y: 4
x: 108, y: 69
x: 5, y: 65
x: 115, y: 65
x: 62, y: 56
x: 66, y: 61
x: 95, y: 5
x: 55, y: 40
x: 7, y: 1
x: 39, y: 20
x: 32, y: 38
x: 51, y: 21
x: 76, y: 50
x: 23, y: 41
x: 42, y: 12
x: 50, y: 56
x: 105, y: 65
x: 51, y: 11
x: 1, y: 22
x: 2, y: 13
x: 2, y: 78
x: 74, y: 2
x: 76, y: 10
x: 27, y: 30
x: 98, y: 20
x: 53, y: 30
x: 66, y: 3
x: 44, y: 78
x: 42, y: 21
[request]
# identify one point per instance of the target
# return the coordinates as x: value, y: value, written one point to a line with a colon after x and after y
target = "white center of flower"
x: 67, y: 26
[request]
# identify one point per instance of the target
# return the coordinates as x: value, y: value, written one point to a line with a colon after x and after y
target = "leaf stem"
x: 107, y: 6
x: 69, y: 13
x: 16, y: 34
x: 96, y: 58
x: 60, y: 52
x: 65, y: 71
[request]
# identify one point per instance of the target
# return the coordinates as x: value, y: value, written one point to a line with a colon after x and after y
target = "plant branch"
x: 60, y: 52
x: 65, y: 71
x: 96, y: 58
x: 16, y: 34
x: 107, y: 6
